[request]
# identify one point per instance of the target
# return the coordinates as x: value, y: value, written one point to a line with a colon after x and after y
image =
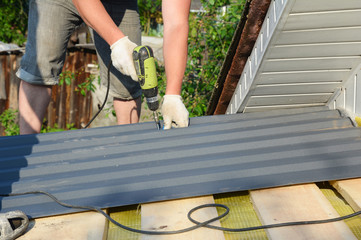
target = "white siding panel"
x: 358, y: 96
x: 303, y: 76
x: 316, y: 50
x: 275, y: 107
x: 324, y: 5
x: 299, y: 64
x: 316, y: 20
x: 327, y: 35
x: 350, y: 95
x: 296, y: 88
x: 306, y: 52
x: 288, y: 99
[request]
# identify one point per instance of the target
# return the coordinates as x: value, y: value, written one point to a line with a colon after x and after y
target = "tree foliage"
x: 211, y: 32
x: 13, y: 21
x: 150, y: 15
x: 9, y: 120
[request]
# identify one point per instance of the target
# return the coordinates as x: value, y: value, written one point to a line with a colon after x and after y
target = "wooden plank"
x: 87, y: 225
x: 351, y: 191
x: 3, y: 95
x: 14, y: 82
x: 172, y: 215
x: 298, y: 203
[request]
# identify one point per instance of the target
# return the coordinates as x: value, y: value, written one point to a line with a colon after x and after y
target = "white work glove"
x: 122, y: 57
x: 174, y: 112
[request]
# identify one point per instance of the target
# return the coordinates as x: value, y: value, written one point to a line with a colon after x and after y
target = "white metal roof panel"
x: 304, y: 54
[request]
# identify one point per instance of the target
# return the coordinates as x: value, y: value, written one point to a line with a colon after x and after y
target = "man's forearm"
x: 175, y: 45
x: 96, y: 17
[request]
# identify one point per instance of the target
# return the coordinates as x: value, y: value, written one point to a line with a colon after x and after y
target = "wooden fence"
x: 68, y: 105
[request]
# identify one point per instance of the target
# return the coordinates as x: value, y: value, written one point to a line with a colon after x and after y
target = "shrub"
x: 13, y: 21
x: 9, y: 120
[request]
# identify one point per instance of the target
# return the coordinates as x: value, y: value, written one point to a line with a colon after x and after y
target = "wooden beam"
x: 14, y: 82
x: 3, y: 95
x: 87, y: 225
x: 351, y: 191
x: 298, y: 203
x: 172, y: 215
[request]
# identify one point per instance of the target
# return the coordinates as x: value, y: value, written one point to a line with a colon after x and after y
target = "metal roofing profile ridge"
x: 132, y: 164
x: 306, y: 51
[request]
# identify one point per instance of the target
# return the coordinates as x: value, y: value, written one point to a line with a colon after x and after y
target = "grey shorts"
x: 51, y: 23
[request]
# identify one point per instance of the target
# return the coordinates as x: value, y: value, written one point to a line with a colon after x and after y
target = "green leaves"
x: 13, y: 21
x: 150, y: 16
x: 66, y: 77
x: 210, y: 35
x: 8, y: 120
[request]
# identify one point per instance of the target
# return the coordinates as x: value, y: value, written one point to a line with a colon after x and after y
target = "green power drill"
x: 147, y: 76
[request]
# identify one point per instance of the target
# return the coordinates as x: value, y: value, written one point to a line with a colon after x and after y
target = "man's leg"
x: 33, y: 101
x: 126, y: 92
x: 127, y: 111
x: 50, y: 25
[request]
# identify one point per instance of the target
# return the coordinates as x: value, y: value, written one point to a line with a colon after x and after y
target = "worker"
x: 49, y: 28
x: 175, y: 47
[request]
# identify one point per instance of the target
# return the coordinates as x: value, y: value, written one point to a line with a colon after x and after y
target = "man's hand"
x: 174, y: 112
x: 122, y: 57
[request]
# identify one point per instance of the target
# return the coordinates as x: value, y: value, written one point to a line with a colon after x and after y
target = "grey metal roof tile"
x: 122, y: 165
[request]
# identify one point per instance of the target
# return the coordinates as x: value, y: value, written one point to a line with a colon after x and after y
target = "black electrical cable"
x: 105, y: 99
x: 286, y: 224
x: 115, y: 222
x: 189, y: 215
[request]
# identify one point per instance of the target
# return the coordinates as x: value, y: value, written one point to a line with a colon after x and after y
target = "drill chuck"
x: 145, y: 67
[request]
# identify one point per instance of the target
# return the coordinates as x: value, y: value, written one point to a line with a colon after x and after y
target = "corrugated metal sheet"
x: 123, y: 165
x: 305, y: 52
x: 8, y: 48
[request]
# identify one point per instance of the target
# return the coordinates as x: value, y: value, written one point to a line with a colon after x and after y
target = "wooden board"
x: 351, y: 191
x: 3, y: 95
x: 78, y: 226
x: 14, y: 83
x: 172, y: 215
x: 298, y: 203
